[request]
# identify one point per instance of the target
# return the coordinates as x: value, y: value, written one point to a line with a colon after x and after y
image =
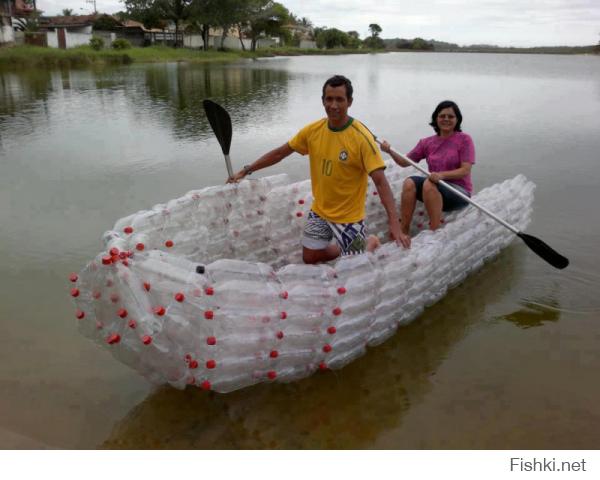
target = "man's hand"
x: 237, y: 177
x: 399, y: 237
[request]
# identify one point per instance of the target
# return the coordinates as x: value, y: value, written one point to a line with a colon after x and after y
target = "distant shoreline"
x: 23, y: 57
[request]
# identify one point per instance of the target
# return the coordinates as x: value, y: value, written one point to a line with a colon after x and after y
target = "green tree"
x: 305, y: 22
x: 332, y: 38
x: 106, y: 22
x: 151, y: 12
x: 67, y: 12
x: 144, y: 11
x: 230, y: 13
x: 375, y: 29
x: 420, y: 44
x: 353, y: 39
x: 374, y: 41
x: 176, y: 10
x: 265, y: 17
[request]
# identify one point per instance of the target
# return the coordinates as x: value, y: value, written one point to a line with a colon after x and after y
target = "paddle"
x: 539, y: 247
x: 220, y: 121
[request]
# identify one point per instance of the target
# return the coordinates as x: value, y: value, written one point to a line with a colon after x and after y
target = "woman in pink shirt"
x: 450, y: 155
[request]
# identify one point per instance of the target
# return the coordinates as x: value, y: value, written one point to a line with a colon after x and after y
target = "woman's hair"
x: 439, y: 108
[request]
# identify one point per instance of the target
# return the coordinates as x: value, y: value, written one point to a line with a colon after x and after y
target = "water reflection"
x: 177, y: 91
x: 349, y: 408
x: 534, y: 314
x: 166, y: 94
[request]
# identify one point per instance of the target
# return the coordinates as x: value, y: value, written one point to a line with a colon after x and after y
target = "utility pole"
x: 92, y: 2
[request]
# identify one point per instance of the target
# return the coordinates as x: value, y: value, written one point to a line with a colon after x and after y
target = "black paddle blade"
x: 545, y: 251
x: 220, y: 122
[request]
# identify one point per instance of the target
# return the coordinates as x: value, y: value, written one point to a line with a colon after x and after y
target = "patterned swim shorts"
x: 318, y: 233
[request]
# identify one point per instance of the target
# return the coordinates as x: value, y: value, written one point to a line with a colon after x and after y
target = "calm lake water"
x: 509, y: 359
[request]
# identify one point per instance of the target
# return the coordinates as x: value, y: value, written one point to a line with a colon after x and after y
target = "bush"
x: 96, y: 43
x: 121, y: 44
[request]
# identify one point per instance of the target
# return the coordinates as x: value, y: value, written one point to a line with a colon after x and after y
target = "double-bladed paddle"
x: 539, y: 247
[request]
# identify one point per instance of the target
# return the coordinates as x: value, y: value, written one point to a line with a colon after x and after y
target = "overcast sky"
x: 500, y: 22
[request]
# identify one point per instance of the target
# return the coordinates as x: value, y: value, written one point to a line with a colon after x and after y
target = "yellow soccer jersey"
x: 340, y: 162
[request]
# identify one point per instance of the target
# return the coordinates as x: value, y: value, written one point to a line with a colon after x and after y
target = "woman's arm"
x: 387, y: 148
x: 461, y: 172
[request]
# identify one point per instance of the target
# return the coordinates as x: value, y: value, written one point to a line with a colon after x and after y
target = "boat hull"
x: 209, y: 289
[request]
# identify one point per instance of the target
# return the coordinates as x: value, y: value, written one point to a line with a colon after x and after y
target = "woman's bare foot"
x: 372, y: 243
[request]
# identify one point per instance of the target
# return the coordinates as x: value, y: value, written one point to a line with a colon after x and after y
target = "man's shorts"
x: 318, y: 233
x: 450, y: 200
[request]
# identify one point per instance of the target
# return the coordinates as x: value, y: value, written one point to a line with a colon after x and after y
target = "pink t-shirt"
x: 445, y: 154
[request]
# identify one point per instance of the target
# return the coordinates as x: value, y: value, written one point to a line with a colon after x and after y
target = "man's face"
x: 336, y: 105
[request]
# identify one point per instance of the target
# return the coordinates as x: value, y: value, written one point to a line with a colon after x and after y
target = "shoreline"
x: 28, y: 57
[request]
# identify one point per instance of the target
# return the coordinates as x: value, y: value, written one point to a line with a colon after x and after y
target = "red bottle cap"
x: 180, y: 297
x: 122, y: 313
x: 210, y: 364
x: 211, y: 340
x: 209, y: 315
x: 128, y: 230
x: 146, y: 339
x: 73, y: 277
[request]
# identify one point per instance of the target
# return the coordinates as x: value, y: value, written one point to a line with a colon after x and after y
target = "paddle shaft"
x: 458, y: 192
x: 228, y: 165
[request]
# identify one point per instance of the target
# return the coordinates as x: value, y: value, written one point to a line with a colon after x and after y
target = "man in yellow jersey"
x: 343, y: 154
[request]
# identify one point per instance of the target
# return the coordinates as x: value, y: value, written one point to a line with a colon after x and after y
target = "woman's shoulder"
x: 463, y: 137
x: 429, y: 140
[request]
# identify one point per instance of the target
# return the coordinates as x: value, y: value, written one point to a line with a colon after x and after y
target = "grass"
x: 27, y: 56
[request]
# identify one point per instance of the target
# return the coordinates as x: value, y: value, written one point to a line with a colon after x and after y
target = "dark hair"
x: 338, y: 81
x: 439, y: 108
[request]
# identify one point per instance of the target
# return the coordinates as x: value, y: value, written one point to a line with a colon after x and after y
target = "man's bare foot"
x: 372, y: 243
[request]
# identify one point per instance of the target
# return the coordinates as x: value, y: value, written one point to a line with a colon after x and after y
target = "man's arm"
x: 387, y: 198
x: 270, y: 158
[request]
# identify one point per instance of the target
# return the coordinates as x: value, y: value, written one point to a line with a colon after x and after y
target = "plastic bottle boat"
x: 209, y: 289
